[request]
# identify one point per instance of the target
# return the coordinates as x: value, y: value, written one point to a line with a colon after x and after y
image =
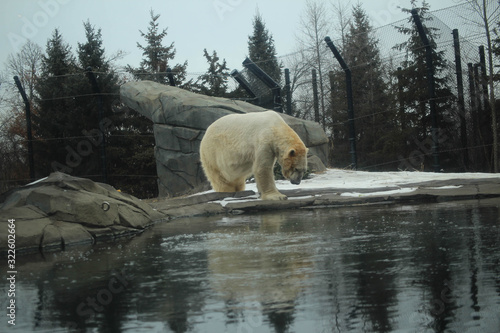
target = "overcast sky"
x: 221, y: 25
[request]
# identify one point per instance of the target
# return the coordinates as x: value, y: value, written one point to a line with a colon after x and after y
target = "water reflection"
x: 427, y: 268
x: 261, y: 269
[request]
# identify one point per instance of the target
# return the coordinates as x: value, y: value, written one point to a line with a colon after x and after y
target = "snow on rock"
x: 354, y: 181
x: 341, y: 188
x: 348, y: 179
x: 390, y: 192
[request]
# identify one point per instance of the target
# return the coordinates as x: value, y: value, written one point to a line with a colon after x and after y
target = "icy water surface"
x: 419, y: 268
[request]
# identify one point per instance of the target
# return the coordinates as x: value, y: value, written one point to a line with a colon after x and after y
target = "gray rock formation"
x: 62, y: 210
x: 180, y: 119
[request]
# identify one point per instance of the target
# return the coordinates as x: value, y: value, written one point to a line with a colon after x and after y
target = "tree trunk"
x: 494, y: 127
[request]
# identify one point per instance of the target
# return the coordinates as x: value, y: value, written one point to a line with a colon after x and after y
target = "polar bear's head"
x: 294, y: 163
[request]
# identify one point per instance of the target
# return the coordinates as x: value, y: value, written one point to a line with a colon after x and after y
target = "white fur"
x: 236, y: 146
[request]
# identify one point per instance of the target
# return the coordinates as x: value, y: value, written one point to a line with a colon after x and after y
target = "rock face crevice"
x: 180, y: 119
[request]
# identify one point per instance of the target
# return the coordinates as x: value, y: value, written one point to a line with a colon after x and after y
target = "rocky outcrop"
x: 62, y: 210
x: 180, y: 119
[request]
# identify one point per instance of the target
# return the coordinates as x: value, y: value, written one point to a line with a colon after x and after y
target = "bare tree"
x: 26, y: 64
x: 314, y: 27
x: 300, y: 69
x: 342, y: 12
x: 299, y: 64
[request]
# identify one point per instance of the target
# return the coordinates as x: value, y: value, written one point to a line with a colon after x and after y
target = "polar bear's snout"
x: 296, y: 177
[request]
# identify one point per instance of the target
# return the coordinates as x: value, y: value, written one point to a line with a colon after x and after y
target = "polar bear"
x: 240, y: 145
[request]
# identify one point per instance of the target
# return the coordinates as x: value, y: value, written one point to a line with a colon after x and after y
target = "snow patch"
x: 451, y: 187
x: 37, y: 181
x: 348, y: 179
x: 381, y: 193
x: 225, y: 201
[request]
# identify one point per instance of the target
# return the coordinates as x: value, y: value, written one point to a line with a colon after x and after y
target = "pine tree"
x: 59, y: 59
x: 261, y: 49
x: 214, y: 82
x: 371, y: 102
x: 91, y: 53
x: 417, y: 118
x: 57, y: 76
x: 59, y: 115
x: 129, y: 135
x: 156, y: 56
x: 91, y: 56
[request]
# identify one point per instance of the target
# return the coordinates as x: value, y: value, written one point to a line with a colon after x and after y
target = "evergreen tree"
x: 91, y: 53
x: 91, y: 56
x: 131, y: 160
x: 214, y: 82
x: 137, y: 131
x: 59, y: 114
x: 59, y: 59
x: 416, y: 118
x: 56, y: 113
x: 261, y: 49
x: 129, y: 135
x: 156, y: 56
x: 371, y: 102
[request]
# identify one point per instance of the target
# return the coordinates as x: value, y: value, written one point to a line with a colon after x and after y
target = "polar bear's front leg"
x: 264, y: 177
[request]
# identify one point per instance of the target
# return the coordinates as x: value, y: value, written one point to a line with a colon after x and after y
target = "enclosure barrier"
x: 350, y: 107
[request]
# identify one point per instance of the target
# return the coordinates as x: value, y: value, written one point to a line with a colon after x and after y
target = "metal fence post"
x: 288, y: 92
x: 31, y: 160
x: 350, y: 107
x: 315, y: 95
x: 268, y: 81
x: 461, y: 100
x: 170, y: 76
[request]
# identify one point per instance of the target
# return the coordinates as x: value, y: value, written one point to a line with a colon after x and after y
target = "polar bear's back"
x: 255, y: 123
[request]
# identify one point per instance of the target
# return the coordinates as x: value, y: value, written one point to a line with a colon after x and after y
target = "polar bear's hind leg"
x: 220, y: 183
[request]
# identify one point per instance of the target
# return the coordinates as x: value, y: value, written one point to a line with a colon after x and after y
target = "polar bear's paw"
x: 274, y: 196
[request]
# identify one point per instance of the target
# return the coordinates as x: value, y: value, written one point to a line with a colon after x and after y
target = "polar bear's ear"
x: 291, y: 152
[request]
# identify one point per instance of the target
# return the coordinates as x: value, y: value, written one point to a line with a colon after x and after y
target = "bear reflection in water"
x: 248, y: 270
